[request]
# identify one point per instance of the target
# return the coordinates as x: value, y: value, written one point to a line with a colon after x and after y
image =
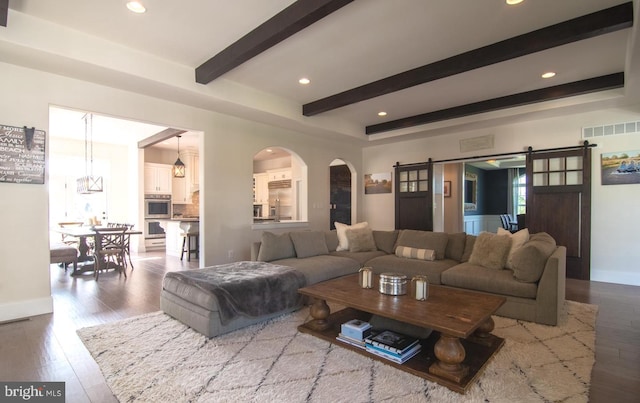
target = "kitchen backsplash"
x: 191, y: 210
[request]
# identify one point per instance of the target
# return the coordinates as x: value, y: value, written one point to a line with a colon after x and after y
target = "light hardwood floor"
x: 46, y: 347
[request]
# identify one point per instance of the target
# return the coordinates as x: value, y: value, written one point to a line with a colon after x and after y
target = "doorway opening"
x: 341, y: 193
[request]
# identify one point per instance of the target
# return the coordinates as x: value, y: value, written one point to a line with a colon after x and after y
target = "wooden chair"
x: 110, y: 250
x: 127, y: 241
x: 508, y: 223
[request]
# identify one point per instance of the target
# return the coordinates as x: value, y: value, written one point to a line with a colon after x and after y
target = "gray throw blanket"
x: 252, y: 289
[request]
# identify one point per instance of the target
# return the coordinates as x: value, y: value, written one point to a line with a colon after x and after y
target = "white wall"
x: 227, y: 149
x: 615, y: 256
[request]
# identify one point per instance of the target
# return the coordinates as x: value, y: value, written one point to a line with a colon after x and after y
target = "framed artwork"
x: 620, y: 168
x: 446, y: 189
x: 377, y: 183
x: 22, y: 157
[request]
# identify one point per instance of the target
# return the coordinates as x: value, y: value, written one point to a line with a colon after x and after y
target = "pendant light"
x: 178, y: 166
x: 88, y: 184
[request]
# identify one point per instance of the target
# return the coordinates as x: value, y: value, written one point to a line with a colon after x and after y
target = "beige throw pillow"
x: 360, y: 239
x: 415, y: 253
x: 341, y: 230
x: 517, y: 240
x: 490, y: 250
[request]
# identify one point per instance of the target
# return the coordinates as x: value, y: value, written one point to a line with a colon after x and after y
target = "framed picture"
x: 446, y: 189
x: 620, y: 168
x: 377, y: 183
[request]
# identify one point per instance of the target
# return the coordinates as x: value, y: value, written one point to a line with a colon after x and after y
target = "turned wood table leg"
x: 450, y: 354
x: 319, y: 311
x: 485, y: 328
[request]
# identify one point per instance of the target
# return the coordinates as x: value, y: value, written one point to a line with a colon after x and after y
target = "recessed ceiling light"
x: 136, y: 7
x: 548, y: 74
x: 304, y: 81
x: 514, y: 2
x: 382, y: 113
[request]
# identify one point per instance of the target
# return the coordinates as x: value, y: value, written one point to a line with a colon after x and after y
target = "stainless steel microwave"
x: 157, y: 206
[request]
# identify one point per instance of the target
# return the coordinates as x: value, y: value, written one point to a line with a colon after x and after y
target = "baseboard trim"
x: 24, y: 309
x: 616, y: 277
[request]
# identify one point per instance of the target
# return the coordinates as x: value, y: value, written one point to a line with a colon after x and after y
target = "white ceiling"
x: 364, y: 41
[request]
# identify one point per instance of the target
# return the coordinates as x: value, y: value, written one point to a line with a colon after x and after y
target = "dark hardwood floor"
x: 46, y: 347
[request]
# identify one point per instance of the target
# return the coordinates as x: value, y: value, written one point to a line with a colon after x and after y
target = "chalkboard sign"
x: 21, y: 155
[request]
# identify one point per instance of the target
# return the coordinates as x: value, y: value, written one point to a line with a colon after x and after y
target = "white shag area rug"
x: 155, y: 358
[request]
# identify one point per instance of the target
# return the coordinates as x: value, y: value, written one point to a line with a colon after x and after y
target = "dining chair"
x: 110, y: 250
x: 508, y: 223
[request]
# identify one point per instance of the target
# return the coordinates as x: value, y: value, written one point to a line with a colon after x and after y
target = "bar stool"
x: 187, y: 238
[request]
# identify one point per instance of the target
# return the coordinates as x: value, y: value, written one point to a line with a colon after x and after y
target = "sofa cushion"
x: 529, y: 261
x: 479, y: 278
x: 360, y: 257
x: 455, y: 246
x: 331, y: 237
x: 309, y: 243
x: 274, y: 247
x: 411, y: 267
x: 517, y: 240
x: 468, y: 248
x: 436, y: 241
x: 341, y: 230
x: 386, y: 240
x: 322, y: 267
x: 360, y: 239
x: 415, y: 253
x: 490, y: 250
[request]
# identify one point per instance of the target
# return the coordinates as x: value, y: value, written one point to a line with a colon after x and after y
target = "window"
x: 520, y: 193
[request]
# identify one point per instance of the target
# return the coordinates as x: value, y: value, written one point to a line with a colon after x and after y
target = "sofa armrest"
x: 255, y: 249
x: 551, y: 288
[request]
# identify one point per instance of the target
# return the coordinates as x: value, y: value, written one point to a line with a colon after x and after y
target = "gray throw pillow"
x: 491, y: 250
x: 386, y: 240
x: 309, y: 243
x: 529, y: 261
x: 455, y: 246
x: 436, y: 241
x: 468, y: 248
x: 331, y: 237
x: 275, y: 247
x: 361, y: 239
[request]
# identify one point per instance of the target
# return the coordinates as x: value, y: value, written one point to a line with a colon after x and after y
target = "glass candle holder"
x: 365, y: 277
x: 420, y: 287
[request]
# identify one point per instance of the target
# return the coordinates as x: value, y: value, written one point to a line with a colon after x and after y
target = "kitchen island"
x: 175, y: 227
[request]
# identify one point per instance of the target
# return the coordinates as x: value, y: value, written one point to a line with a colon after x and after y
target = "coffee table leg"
x: 450, y: 354
x: 319, y: 311
x: 485, y: 329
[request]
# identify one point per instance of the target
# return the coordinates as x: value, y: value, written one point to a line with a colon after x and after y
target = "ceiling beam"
x: 159, y: 137
x: 4, y: 12
x: 286, y: 23
x: 601, y: 83
x: 588, y: 26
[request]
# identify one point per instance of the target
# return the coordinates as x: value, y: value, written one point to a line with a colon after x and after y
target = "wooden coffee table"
x: 455, y: 353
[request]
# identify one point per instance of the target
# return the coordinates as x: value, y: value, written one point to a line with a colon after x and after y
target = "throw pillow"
x: 455, y: 246
x: 517, y: 240
x: 332, y: 240
x: 386, y: 240
x: 529, y: 261
x: 436, y: 241
x: 490, y: 250
x: 341, y: 229
x: 361, y: 239
x: 275, y: 247
x: 468, y: 248
x: 309, y: 243
x: 415, y: 253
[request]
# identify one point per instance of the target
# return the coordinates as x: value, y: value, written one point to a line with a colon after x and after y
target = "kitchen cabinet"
x: 157, y: 178
x: 279, y: 174
x: 260, y: 188
x: 174, y: 238
x: 183, y: 188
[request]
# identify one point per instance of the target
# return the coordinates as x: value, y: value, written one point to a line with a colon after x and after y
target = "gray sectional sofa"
x: 530, y: 275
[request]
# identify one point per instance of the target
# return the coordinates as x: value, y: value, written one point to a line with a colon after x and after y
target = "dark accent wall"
x: 493, y: 188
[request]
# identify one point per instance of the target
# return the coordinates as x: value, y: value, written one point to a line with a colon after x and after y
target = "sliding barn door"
x: 559, y: 203
x: 414, y: 196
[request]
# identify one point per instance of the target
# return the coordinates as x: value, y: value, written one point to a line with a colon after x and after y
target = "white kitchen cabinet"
x: 174, y: 240
x: 279, y: 174
x: 183, y: 188
x: 261, y: 188
x: 157, y: 178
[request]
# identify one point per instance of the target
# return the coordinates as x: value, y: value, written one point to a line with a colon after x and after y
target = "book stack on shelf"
x: 354, y: 332
x: 392, y: 346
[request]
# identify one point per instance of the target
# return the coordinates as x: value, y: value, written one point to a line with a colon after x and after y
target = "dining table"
x: 84, y: 234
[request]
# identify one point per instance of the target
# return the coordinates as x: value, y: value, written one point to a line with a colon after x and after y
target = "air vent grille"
x: 614, y: 129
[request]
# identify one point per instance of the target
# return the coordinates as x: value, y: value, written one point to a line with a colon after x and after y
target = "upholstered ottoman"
x: 65, y: 254
x: 219, y: 299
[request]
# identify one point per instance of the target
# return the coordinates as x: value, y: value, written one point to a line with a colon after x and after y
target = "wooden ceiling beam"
x: 601, y: 83
x: 591, y: 25
x: 286, y: 23
x: 4, y: 12
x: 159, y: 137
